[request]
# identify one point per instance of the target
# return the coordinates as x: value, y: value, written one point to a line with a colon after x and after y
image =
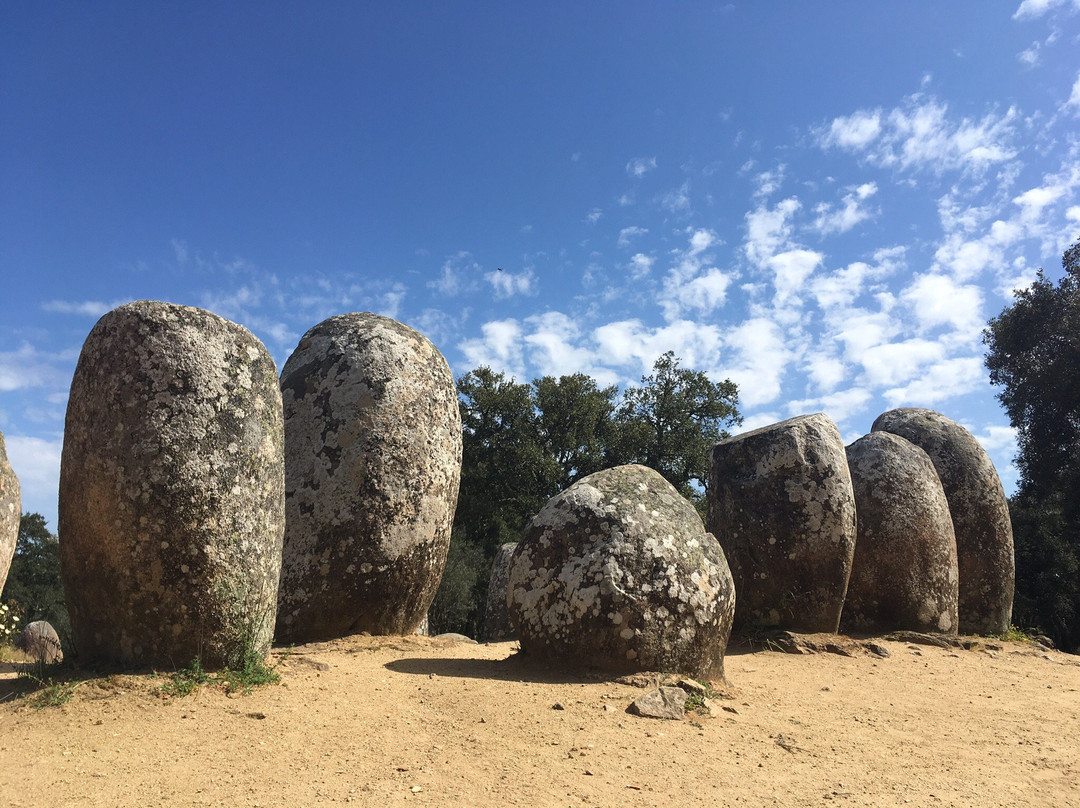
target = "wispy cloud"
x: 88, y: 308
x: 627, y: 234
x: 640, y: 166
x: 27, y: 367
x: 457, y: 275
x: 853, y: 210
x: 1073, y: 104
x: 507, y: 284
x: 1030, y: 9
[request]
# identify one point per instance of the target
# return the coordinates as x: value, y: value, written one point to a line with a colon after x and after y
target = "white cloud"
x: 678, y: 199
x: 769, y: 182
x: 1074, y: 97
x: 943, y: 380
x: 825, y: 372
x: 553, y: 351
x: 457, y: 275
x: 640, y: 166
x: 180, y: 250
x: 894, y: 363
x: 792, y: 268
x: 840, y: 406
x: 1030, y: 9
x: 756, y: 421
x: 767, y: 229
x: 507, y: 284
x: 997, y: 439
x: 630, y: 343
x: 938, y: 300
x: 921, y: 136
x: 628, y: 233
x: 832, y: 220
x: 692, y: 284
x: 640, y: 265
x: 854, y: 132
x: 27, y: 367
x: 499, y: 347
x: 762, y: 358
x: 36, y: 462
x: 594, y: 215
x: 1030, y: 56
x: 89, y: 308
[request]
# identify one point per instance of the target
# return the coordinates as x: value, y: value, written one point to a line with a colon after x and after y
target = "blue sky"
x: 824, y: 202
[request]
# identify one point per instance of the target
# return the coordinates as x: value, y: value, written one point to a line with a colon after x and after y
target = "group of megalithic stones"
x: 209, y: 507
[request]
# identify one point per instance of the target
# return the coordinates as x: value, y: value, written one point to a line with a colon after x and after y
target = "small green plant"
x: 1014, y: 634
x: 186, y: 681
x: 50, y: 692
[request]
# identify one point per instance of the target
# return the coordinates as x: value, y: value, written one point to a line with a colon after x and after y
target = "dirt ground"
x: 378, y: 721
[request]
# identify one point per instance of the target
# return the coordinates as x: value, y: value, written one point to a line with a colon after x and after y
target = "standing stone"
x: 172, y: 490
x: 372, y: 465
x: 10, y: 513
x: 40, y: 642
x: 497, y: 625
x: 904, y: 575
x: 980, y: 514
x: 617, y: 572
x: 780, y: 503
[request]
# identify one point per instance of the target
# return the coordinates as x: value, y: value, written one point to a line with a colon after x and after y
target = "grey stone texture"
x: 617, y: 572
x: 373, y: 462
x: 10, y: 513
x: 497, y: 625
x: 667, y: 703
x: 172, y: 490
x: 781, y: 505
x: 904, y: 576
x: 980, y: 514
x: 40, y: 642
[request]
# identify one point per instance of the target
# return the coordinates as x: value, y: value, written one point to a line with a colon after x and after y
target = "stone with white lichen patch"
x: 10, y: 513
x: 171, y: 490
x: 904, y: 575
x: 617, y: 572
x: 980, y: 514
x: 781, y: 504
x: 373, y: 461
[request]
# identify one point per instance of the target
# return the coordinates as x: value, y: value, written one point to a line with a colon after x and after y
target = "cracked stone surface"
x: 980, y: 514
x: 373, y: 462
x: 10, y: 513
x: 617, y: 572
x: 781, y: 505
x: 171, y: 489
x: 904, y: 575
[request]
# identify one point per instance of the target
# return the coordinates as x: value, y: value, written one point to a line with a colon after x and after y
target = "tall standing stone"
x: 373, y: 461
x: 904, y: 576
x: 172, y: 490
x: 781, y: 505
x: 980, y: 514
x: 617, y: 572
x: 10, y: 513
x: 497, y: 625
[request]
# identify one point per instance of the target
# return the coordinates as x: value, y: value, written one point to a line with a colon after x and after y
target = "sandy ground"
x: 419, y: 721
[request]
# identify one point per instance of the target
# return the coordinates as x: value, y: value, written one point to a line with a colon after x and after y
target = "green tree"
x: 1034, y: 355
x: 576, y: 426
x: 672, y: 421
x: 33, y: 582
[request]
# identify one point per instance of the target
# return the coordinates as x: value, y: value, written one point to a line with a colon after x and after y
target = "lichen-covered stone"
x: 617, y: 572
x: 10, y: 513
x: 373, y: 461
x: 904, y: 575
x: 980, y: 514
x: 497, y: 625
x: 780, y: 504
x: 172, y: 490
x: 40, y: 642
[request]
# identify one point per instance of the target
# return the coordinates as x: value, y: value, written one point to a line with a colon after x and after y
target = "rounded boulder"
x: 172, y: 490
x: 40, y: 642
x: 980, y: 514
x: 904, y: 575
x: 781, y: 505
x: 10, y: 513
x: 617, y: 572
x: 372, y: 466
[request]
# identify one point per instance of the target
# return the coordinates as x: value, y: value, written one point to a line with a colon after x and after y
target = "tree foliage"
x: 1034, y: 355
x: 525, y: 442
x: 33, y: 582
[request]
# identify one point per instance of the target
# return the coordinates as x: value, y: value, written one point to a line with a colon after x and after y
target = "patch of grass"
x: 51, y: 693
x: 251, y: 672
x: 1014, y: 634
x: 187, y: 680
